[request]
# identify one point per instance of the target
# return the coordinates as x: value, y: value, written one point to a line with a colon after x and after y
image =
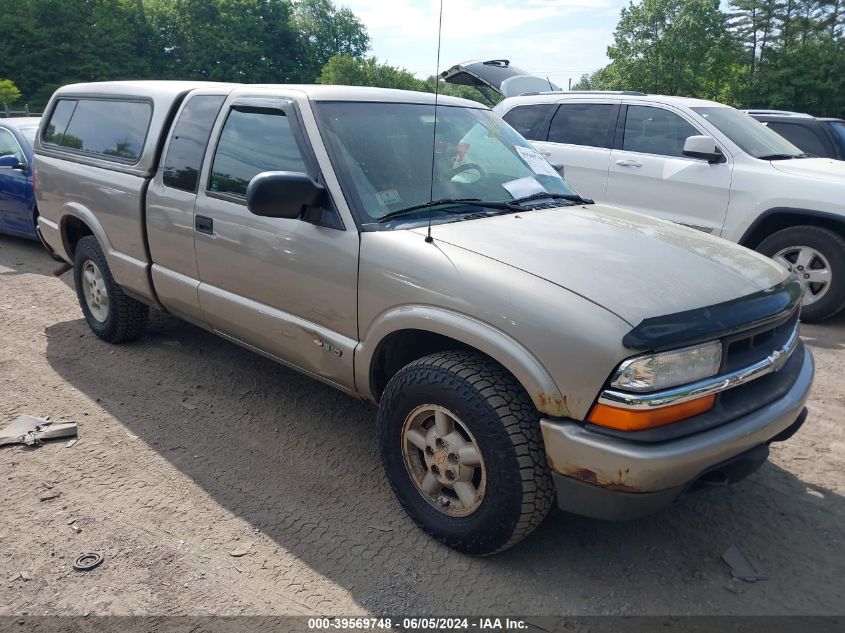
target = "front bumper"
x: 617, y: 479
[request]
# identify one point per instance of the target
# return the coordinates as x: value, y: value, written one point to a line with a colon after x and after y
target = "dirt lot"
x: 193, y: 450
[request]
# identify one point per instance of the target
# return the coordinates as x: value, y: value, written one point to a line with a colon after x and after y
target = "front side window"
x: 109, y: 128
x: 190, y: 138
x: 528, y: 120
x: 582, y: 124
x: 384, y: 152
x: 752, y: 137
x: 651, y: 130
x: 253, y: 141
x: 9, y: 145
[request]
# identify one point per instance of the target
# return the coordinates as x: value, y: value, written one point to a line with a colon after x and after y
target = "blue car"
x: 18, y: 213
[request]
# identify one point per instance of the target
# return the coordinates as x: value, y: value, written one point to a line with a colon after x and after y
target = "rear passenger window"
x: 528, y: 120
x: 656, y: 131
x: 112, y: 129
x: 582, y: 124
x: 800, y: 136
x: 58, y: 122
x: 190, y: 138
x: 253, y: 141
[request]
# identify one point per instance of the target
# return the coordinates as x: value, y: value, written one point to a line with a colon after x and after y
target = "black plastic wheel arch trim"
x: 701, y: 324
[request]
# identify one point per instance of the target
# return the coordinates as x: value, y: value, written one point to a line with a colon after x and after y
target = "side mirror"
x: 558, y: 167
x: 282, y: 194
x: 702, y: 147
x: 10, y: 161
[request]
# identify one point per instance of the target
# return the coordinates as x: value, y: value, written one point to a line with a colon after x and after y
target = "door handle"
x: 629, y: 163
x: 204, y: 224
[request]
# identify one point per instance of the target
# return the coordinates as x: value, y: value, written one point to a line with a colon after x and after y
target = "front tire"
x: 461, y: 444
x: 110, y: 313
x: 817, y: 256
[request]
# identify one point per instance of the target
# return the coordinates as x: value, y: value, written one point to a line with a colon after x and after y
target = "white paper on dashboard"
x: 535, y: 161
x: 522, y: 187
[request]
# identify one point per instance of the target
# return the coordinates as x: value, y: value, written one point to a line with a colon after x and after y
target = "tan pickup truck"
x: 521, y: 342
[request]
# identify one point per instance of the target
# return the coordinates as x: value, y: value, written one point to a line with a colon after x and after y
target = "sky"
x: 555, y: 38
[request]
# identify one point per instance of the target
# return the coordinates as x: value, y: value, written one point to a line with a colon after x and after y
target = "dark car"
x: 822, y: 137
x: 18, y: 212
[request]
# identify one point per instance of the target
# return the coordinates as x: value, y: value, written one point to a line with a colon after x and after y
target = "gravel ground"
x: 217, y: 482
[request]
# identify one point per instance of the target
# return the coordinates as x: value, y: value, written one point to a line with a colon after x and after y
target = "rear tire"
x: 110, y: 313
x: 491, y: 444
x: 813, y: 253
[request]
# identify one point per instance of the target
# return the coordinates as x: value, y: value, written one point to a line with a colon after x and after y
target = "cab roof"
x: 163, y: 90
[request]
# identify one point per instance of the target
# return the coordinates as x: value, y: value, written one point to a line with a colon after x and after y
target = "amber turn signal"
x: 640, y: 419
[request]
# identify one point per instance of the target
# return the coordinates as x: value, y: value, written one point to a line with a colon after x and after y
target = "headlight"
x: 669, y: 369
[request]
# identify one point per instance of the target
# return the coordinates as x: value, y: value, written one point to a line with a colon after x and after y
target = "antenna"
x: 428, y: 237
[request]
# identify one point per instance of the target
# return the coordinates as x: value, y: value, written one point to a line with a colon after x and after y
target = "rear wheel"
x: 460, y: 441
x: 817, y: 256
x: 110, y: 313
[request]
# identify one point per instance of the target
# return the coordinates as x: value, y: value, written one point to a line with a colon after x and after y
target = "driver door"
x: 284, y: 287
x: 650, y: 174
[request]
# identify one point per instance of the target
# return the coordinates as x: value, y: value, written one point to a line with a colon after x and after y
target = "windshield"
x: 382, y: 153
x: 29, y: 134
x: 753, y: 137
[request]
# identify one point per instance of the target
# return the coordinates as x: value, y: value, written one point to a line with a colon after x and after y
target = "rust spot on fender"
x: 553, y: 404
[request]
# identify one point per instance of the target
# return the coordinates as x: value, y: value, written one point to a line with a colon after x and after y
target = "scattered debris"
x: 71, y: 521
x: 87, y: 561
x: 188, y: 405
x: 14, y: 576
x: 72, y: 442
x: 241, y: 551
x: 30, y: 431
x: 49, y: 495
x: 76, y: 528
x: 741, y: 566
x: 25, y: 576
x: 381, y: 528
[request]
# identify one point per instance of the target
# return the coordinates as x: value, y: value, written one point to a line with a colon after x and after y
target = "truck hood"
x: 818, y: 168
x: 632, y: 265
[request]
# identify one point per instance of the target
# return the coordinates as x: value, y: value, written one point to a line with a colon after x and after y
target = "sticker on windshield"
x: 388, y: 197
x: 535, y: 161
x: 522, y: 187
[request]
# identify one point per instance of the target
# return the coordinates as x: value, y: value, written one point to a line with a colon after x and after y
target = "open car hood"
x: 496, y: 75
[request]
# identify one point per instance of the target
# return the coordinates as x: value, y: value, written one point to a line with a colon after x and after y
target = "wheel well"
x: 403, y: 347
x: 73, y: 230
x: 774, y: 221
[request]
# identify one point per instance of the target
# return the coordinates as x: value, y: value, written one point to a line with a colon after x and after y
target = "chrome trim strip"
x: 706, y: 387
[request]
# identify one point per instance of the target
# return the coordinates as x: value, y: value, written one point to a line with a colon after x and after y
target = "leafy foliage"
x: 9, y: 92
x: 45, y: 44
x: 784, y: 54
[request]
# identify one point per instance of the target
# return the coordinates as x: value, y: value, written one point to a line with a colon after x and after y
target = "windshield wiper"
x: 782, y: 156
x: 571, y: 197
x: 499, y: 205
x: 475, y: 202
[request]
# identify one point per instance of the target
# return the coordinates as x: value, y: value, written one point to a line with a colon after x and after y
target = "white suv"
x: 702, y: 164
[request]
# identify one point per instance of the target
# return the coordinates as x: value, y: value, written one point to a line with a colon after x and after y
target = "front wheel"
x: 461, y: 443
x: 817, y: 256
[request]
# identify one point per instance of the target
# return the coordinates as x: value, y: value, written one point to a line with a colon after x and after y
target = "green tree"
x: 675, y: 47
x: 349, y: 71
x: 250, y: 41
x: 9, y: 92
x: 327, y: 31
